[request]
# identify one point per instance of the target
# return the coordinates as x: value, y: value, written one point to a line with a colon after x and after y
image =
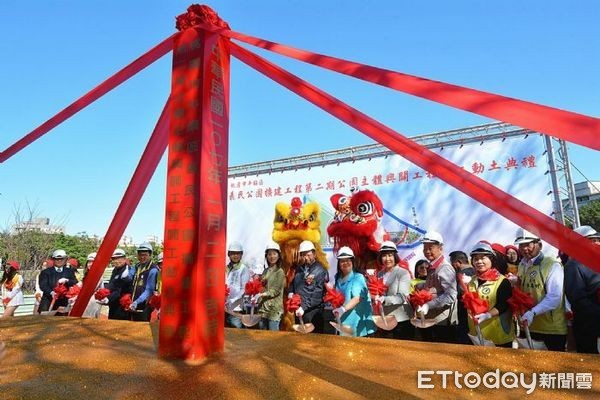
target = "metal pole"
x: 564, y: 152
x: 558, y: 210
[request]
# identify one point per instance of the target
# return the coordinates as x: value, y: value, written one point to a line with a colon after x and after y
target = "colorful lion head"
x: 357, y: 223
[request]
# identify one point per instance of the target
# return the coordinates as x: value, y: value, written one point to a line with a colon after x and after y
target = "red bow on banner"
x: 420, y: 297
x: 376, y: 286
x: 253, y: 287
x: 101, y: 294
x: 73, y: 291
x: 520, y: 301
x: 154, y: 301
x: 474, y: 304
x: 60, y: 290
x: 125, y: 301
x: 335, y: 297
x: 293, y: 303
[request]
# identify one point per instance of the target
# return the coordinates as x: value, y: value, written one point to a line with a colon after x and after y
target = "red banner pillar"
x: 193, y: 298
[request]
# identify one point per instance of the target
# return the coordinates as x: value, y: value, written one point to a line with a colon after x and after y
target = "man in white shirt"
x: 542, y: 277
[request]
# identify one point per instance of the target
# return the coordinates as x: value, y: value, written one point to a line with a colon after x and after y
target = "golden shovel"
x: 385, y: 322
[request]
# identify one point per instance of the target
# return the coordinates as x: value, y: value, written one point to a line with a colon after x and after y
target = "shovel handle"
x: 383, y: 314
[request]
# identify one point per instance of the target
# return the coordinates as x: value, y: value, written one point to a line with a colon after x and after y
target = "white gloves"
x: 379, y: 299
x: 290, y: 295
x: 466, y: 279
x: 104, y: 301
x: 338, y: 312
x: 133, y: 306
x: 528, y: 316
x: 299, y: 312
x: 424, y: 309
x: 479, y: 318
x: 52, y: 294
x: 125, y: 273
x: 63, y: 280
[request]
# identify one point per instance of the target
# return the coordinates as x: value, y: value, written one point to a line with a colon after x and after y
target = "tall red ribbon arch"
x: 195, y: 125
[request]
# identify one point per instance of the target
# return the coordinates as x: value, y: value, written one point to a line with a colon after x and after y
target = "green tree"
x: 590, y: 214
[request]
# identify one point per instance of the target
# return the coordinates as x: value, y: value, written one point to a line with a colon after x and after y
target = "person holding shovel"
x: 10, y: 285
x: 357, y: 311
x: 495, y: 324
x: 51, y: 277
x: 271, y: 299
x: 395, y: 301
x: 441, y: 282
x: 309, y: 282
x: 542, y: 277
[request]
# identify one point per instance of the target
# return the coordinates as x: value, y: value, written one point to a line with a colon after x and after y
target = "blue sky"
x: 53, y: 52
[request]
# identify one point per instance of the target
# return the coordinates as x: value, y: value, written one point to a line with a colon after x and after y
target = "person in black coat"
x: 309, y: 282
x: 50, y: 277
x: 119, y: 285
x: 582, y: 289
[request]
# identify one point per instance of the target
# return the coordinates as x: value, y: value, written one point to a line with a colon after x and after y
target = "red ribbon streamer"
x: 125, y: 300
x: 127, y: 72
x: 253, y: 287
x: 567, y: 125
x: 139, y: 181
x: 335, y: 297
x: 101, y: 294
x: 376, y: 286
x: 520, y: 301
x: 154, y: 301
x: 420, y: 297
x: 474, y: 304
x: 73, y: 291
x: 293, y: 303
x: 473, y: 186
x: 60, y: 290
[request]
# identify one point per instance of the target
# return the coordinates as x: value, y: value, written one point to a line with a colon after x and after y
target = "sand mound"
x: 70, y: 358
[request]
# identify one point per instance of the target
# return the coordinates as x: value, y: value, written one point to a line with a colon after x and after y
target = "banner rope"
x: 497, y: 200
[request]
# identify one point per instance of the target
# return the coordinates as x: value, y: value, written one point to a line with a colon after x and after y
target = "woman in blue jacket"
x: 356, y: 312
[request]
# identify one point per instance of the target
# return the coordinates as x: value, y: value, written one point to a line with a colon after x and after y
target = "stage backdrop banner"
x: 414, y: 201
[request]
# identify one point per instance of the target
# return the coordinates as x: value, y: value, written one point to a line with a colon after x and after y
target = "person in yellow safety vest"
x: 496, y: 323
x: 159, y: 263
x: 542, y: 277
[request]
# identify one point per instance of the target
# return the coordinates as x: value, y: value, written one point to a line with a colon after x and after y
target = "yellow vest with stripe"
x: 533, y: 281
x: 498, y: 329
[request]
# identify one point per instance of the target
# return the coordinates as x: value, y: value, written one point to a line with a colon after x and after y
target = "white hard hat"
x: 59, y: 254
x: 159, y: 258
x: 587, y: 231
x: 235, y: 247
x: 388, y: 245
x: 482, y: 248
x: 118, y: 253
x: 433, y: 237
x: 273, y: 246
x: 524, y: 236
x: 306, y: 245
x: 345, y: 252
x: 145, y: 247
x: 92, y: 256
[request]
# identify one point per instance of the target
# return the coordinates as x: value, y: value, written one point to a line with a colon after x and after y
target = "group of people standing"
x: 558, y: 293
x: 139, y: 282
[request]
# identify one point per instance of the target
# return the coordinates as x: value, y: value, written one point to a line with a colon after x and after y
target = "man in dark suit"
x: 52, y: 276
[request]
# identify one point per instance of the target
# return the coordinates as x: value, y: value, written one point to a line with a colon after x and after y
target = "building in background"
x: 586, y: 192
x: 37, y: 224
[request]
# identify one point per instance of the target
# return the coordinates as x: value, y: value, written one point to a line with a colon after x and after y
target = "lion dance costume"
x: 294, y: 223
x: 357, y: 224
